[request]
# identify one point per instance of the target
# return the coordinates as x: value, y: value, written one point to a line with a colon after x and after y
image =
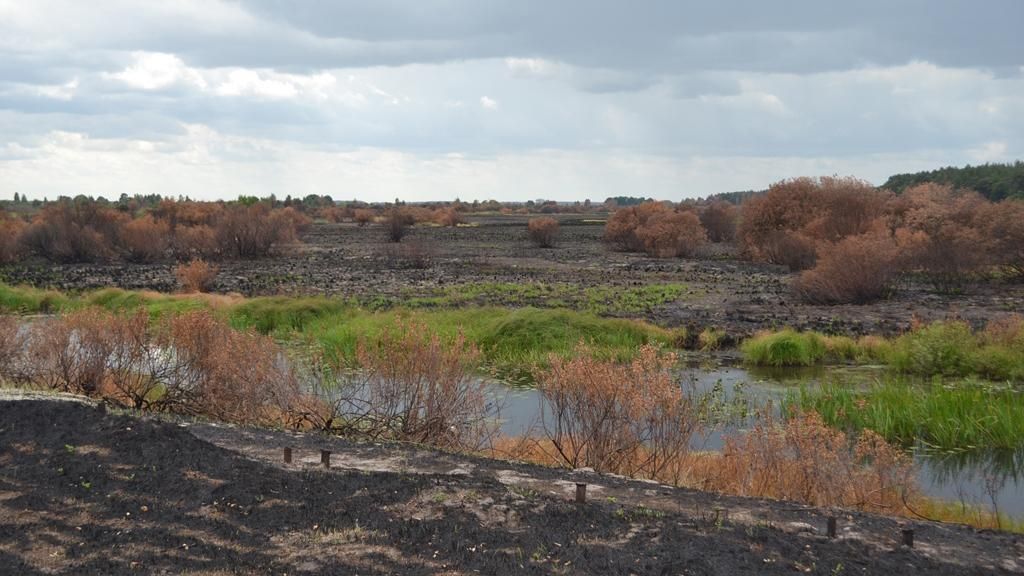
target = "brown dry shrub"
x: 624, y: 418
x: 363, y: 216
x: 793, y: 250
x: 620, y: 231
x: 413, y: 386
x: 855, y: 270
x: 448, y: 217
x: 1004, y: 226
x: 70, y: 353
x: 196, y: 276
x: 671, y: 234
x: 719, y: 220
x: 70, y: 232
x: 145, y: 239
x: 543, y: 231
x: 251, y: 231
x: 231, y: 375
x: 953, y: 244
x: 198, y: 241
x: 804, y: 460
x: 12, y: 348
x: 11, y: 229
x: 397, y: 223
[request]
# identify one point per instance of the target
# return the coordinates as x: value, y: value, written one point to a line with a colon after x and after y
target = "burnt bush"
x: 543, y: 231
x: 855, y: 270
x: 11, y: 229
x: 719, y: 221
x: 252, y: 231
x: 671, y: 235
x: 145, y: 239
x: 196, y: 276
x: 69, y: 232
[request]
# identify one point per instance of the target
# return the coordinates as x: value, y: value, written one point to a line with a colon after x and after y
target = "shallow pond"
x: 973, y: 477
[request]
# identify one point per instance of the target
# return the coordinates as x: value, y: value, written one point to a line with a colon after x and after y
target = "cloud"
x: 488, y: 103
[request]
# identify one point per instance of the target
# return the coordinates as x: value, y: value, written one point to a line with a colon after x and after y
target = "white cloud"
x: 157, y: 70
x: 488, y: 103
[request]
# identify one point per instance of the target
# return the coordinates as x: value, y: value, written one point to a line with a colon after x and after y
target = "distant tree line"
x: 993, y: 181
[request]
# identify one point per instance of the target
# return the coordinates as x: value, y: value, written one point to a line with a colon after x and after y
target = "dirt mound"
x: 87, y: 492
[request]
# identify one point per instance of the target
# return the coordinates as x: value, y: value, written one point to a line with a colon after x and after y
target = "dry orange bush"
x: 195, y: 241
x: 363, y: 216
x: 412, y: 386
x: 145, y: 239
x: 196, y: 276
x: 11, y: 229
x: 793, y: 250
x: 620, y: 231
x: 671, y: 235
x: 855, y: 270
x: 719, y: 220
x: 448, y: 217
x: 251, y: 231
x: 1004, y: 226
x: 235, y: 376
x: 804, y: 460
x: 73, y: 232
x: 624, y: 418
x: 543, y: 231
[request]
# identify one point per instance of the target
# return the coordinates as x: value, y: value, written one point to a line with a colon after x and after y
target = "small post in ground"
x: 581, y: 493
x: 908, y: 537
x: 325, y: 458
x: 831, y: 526
x: 287, y: 454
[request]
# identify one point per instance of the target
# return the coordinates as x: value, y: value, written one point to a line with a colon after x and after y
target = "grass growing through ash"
x: 596, y: 299
x: 788, y: 347
x: 966, y: 415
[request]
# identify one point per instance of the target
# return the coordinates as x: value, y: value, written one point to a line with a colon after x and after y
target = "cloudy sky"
x: 504, y: 99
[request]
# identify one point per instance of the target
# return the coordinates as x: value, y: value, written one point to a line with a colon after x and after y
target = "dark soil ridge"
x: 84, y: 491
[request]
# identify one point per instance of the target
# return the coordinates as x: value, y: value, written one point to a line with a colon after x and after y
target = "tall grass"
x: 27, y: 300
x: 950, y: 417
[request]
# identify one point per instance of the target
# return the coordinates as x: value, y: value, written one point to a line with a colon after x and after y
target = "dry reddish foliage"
x: 70, y: 353
x: 11, y: 229
x: 719, y: 220
x: 543, y: 231
x: 235, y: 376
x: 672, y: 234
x: 630, y: 419
x: 413, y: 386
x: 448, y: 217
x: 74, y: 232
x: 363, y: 216
x: 397, y: 223
x: 195, y: 241
x: 145, y: 239
x: 1004, y: 227
x: 620, y: 231
x: 804, y: 460
x: 952, y: 242
x: 855, y: 270
x: 251, y: 231
x: 793, y: 250
x: 196, y: 276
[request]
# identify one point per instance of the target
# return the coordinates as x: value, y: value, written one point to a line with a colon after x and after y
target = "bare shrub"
x: 719, y: 220
x: 12, y: 348
x: 397, y: 223
x: 363, y: 216
x: 415, y: 256
x: 543, y: 231
x: 235, y: 376
x: 804, y: 460
x: 11, y: 229
x: 855, y: 270
x: 1004, y: 226
x: 671, y: 234
x: 413, y: 386
x: 70, y: 353
x: 145, y: 239
x: 624, y: 418
x: 196, y: 276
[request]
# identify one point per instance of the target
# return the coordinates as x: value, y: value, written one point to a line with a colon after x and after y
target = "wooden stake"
x: 581, y: 493
x: 325, y: 458
x: 908, y: 537
x: 831, y: 526
x: 287, y: 454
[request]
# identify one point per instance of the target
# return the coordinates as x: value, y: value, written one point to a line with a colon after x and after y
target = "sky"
x: 504, y: 99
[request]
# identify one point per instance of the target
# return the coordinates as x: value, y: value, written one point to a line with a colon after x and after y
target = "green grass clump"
x: 939, y: 348
x: 784, y: 348
x: 605, y: 300
x: 965, y: 415
x: 28, y: 300
x: 278, y: 314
